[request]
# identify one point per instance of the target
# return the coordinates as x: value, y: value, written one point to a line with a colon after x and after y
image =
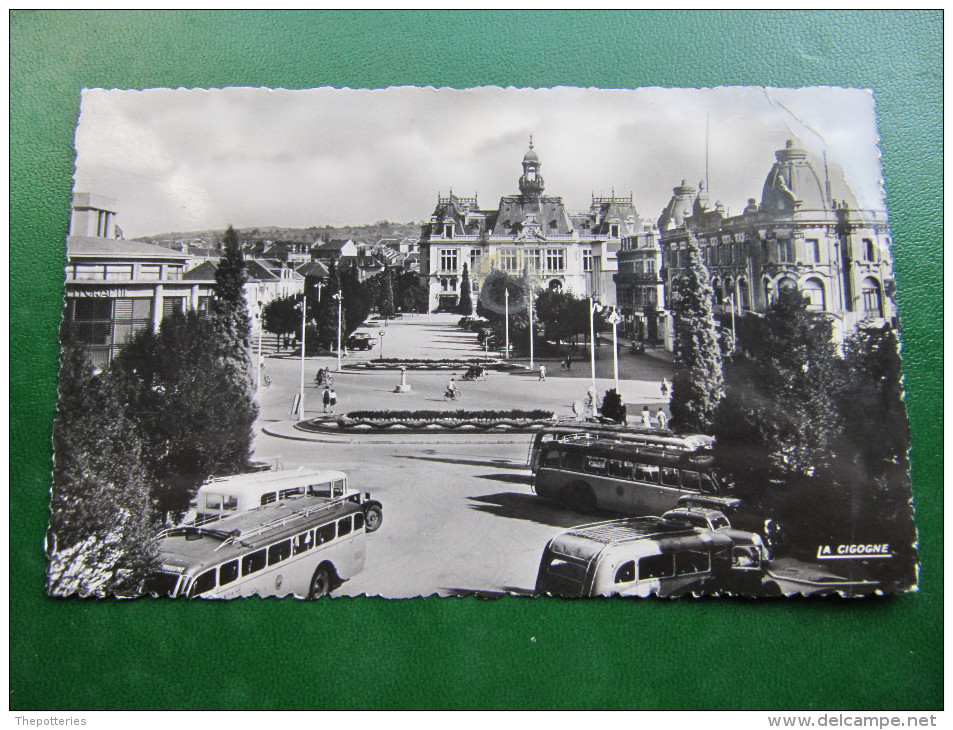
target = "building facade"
x: 529, y: 234
x: 640, y: 291
x: 807, y: 233
x: 116, y: 287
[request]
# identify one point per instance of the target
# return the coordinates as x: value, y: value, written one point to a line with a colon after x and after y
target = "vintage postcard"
x: 412, y: 341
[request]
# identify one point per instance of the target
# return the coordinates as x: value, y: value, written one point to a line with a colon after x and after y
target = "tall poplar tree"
x: 326, y: 320
x: 385, y: 301
x: 698, y: 385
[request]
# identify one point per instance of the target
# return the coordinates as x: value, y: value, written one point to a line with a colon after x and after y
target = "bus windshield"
x: 161, y: 584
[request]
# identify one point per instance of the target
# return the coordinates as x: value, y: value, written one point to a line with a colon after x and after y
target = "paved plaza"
x: 459, y: 512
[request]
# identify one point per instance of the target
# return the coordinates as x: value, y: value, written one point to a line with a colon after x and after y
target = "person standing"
x: 666, y: 389
x: 333, y: 398
x: 646, y: 417
x: 568, y: 362
x: 326, y: 398
x: 661, y: 418
x: 542, y: 372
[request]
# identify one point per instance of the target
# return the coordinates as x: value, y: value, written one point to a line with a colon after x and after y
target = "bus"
x: 643, y: 556
x: 597, y: 473
x: 226, y: 496
x: 305, y: 546
x: 662, y: 439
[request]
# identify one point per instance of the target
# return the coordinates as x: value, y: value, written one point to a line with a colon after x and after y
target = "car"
x: 359, y: 341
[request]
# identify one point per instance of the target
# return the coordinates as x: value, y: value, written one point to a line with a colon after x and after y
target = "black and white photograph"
x: 550, y: 343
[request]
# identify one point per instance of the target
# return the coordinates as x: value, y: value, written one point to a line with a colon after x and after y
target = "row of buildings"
x: 115, y: 287
x: 806, y: 232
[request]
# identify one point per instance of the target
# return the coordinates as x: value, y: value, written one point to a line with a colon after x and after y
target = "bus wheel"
x: 373, y: 516
x: 581, y: 498
x: 320, y: 583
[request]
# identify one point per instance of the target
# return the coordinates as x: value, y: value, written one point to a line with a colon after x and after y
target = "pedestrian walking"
x: 661, y: 418
x: 646, y: 417
x: 326, y: 398
x: 542, y: 372
x: 666, y: 389
x: 333, y: 398
x: 568, y: 362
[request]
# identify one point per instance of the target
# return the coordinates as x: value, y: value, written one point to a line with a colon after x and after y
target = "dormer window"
x: 448, y: 230
x: 614, y: 230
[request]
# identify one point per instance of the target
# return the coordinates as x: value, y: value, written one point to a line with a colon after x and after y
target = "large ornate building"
x: 529, y: 234
x: 807, y: 232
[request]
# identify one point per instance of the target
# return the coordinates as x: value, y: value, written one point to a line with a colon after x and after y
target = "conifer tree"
x: 698, y: 384
x: 101, y: 538
x: 385, y: 302
x: 326, y: 320
x: 465, y: 307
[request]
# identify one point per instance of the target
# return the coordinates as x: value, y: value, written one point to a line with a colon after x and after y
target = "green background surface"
x: 466, y: 653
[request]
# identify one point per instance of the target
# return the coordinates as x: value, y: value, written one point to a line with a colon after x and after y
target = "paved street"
x: 459, y: 512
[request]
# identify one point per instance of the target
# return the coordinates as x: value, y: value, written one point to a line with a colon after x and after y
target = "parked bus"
x: 586, y: 474
x: 226, y: 496
x: 305, y: 546
x: 645, y: 556
x: 663, y: 439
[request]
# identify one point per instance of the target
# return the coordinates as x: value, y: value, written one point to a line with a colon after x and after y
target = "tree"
x: 101, y: 538
x: 613, y: 407
x: 193, y: 407
x: 282, y: 317
x: 385, y: 302
x: 357, y: 299
x: 326, y: 318
x: 698, y: 384
x: 779, y: 417
x: 229, y: 307
x: 465, y: 306
x: 409, y: 294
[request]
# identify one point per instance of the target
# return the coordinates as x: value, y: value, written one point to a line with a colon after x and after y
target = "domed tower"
x: 531, y: 182
x: 793, y: 184
x: 678, y: 208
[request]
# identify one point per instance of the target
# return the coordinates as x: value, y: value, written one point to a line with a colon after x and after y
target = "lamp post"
x: 614, y: 318
x: 261, y: 323
x: 337, y: 295
x: 594, y: 307
x: 731, y: 300
x: 530, y: 329
x: 382, y: 333
x: 506, y: 318
x: 304, y: 320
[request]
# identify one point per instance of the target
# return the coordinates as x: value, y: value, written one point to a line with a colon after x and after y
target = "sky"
x: 194, y: 159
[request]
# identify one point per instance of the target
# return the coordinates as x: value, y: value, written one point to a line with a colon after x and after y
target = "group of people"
x: 660, y: 420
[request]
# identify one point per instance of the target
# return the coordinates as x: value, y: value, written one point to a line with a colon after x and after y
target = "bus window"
x: 269, y: 498
x: 285, y: 493
x: 596, y: 465
x: 253, y: 562
x: 645, y: 473
x: 303, y: 542
x: 344, y: 526
x: 279, y: 551
x: 228, y: 572
x: 550, y: 459
x: 656, y: 566
x: 625, y: 573
x: 620, y: 469
x: 669, y: 476
x: 691, y: 480
x: 203, y: 584
x: 213, y: 501
x: 574, y: 460
x: 230, y: 503
x: 358, y: 520
x: 689, y: 562
x: 320, y: 490
x: 337, y: 488
x: 325, y: 534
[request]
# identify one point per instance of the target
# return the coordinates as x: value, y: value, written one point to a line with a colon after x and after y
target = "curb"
x: 491, y: 438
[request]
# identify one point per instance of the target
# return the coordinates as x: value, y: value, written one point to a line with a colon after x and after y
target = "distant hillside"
x: 370, y: 233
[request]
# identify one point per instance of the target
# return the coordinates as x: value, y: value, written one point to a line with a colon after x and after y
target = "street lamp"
x: 614, y: 318
x: 530, y: 329
x: 261, y: 322
x: 304, y: 320
x: 337, y: 295
x: 506, y: 305
x: 594, y: 306
x: 382, y: 333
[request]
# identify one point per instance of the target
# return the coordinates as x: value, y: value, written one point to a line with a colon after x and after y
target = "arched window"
x: 716, y: 287
x: 813, y: 290
x: 786, y: 283
x: 555, y: 285
x: 744, y: 296
x: 873, y: 301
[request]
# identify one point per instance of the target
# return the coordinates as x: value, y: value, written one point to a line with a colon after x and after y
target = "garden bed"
x: 435, y: 364
x: 458, y: 421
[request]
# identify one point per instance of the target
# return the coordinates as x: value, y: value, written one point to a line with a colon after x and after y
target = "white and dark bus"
x: 224, y: 497
x: 596, y: 473
x: 305, y: 546
x: 661, y: 439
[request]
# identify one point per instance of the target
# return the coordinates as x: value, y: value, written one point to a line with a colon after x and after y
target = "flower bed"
x: 433, y: 421
x: 435, y: 364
